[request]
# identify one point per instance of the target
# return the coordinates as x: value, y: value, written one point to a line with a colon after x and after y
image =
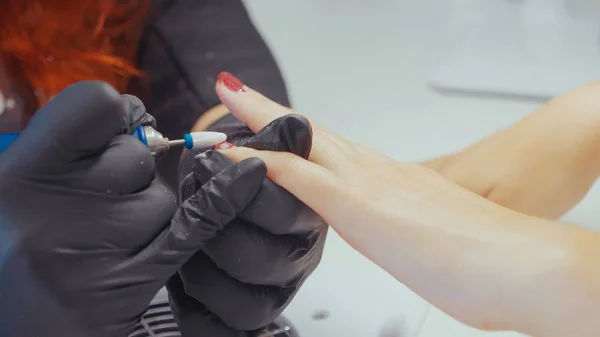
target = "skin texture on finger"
x: 312, y: 184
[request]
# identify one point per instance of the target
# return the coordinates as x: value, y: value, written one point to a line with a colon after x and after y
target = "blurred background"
x: 415, y: 80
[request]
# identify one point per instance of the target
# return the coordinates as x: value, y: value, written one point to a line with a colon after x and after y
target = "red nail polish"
x: 224, y: 146
x: 231, y: 82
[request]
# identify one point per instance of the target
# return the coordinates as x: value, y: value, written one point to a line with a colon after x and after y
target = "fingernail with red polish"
x: 224, y: 146
x: 231, y: 82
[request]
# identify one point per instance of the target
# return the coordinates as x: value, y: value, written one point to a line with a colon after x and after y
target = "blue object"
x: 140, y: 134
x: 189, y: 142
x: 6, y: 139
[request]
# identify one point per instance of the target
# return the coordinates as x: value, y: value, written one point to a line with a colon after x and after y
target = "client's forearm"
x: 543, y: 165
x: 493, y: 268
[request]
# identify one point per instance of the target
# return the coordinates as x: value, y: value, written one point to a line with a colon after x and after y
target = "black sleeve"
x: 185, y: 45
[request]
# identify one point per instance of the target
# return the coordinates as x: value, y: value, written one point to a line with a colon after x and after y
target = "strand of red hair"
x: 59, y: 42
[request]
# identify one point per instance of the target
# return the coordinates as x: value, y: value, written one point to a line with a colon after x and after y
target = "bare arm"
x: 490, y: 267
x: 543, y: 165
x: 484, y: 264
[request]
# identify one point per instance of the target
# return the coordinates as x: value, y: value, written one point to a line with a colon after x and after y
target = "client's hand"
x: 344, y: 182
x: 477, y: 261
x: 246, y: 276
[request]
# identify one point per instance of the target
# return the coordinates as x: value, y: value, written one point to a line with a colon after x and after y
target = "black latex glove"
x: 87, y: 235
x: 247, y: 275
x: 185, y: 44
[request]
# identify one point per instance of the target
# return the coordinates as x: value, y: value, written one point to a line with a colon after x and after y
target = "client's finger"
x: 252, y: 108
x: 257, y: 111
x: 314, y: 185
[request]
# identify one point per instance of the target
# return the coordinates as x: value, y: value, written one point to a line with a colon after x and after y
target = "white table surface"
x: 360, y: 67
x: 536, y: 48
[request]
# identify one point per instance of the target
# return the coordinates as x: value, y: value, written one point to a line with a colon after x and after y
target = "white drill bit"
x: 157, y: 143
x: 200, y: 140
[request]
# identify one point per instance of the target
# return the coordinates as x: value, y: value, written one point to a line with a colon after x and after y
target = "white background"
x: 360, y: 67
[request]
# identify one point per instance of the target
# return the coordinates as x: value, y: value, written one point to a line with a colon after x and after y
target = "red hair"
x: 59, y: 42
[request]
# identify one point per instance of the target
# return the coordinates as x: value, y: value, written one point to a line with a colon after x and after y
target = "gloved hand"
x: 87, y: 235
x: 247, y: 275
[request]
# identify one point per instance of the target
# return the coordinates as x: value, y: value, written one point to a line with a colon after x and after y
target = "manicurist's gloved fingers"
x: 273, y: 209
x: 126, y: 166
x: 135, y: 114
x: 289, y: 133
x: 193, y: 317
x: 215, y: 204
x: 79, y: 122
x: 252, y: 255
x: 240, y: 306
